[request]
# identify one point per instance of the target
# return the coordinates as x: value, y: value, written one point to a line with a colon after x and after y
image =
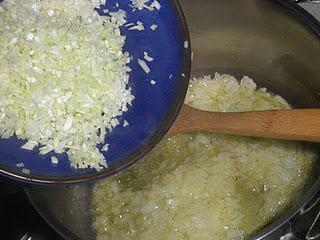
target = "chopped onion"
x: 105, y: 148
x: 144, y: 66
x: 67, y: 125
x: 147, y: 57
x: 142, y: 4
x: 139, y: 4
x: 63, y: 76
x: 129, y: 24
x: 54, y: 160
x: 139, y: 26
x: 156, y: 5
x: 154, y: 27
x: 29, y: 145
x: 20, y: 164
x: 125, y: 123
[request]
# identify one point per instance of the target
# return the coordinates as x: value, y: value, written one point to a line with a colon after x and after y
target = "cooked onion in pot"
x: 203, y: 185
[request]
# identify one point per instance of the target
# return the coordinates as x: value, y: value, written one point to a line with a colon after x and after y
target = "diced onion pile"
x: 206, y: 186
x: 63, y: 76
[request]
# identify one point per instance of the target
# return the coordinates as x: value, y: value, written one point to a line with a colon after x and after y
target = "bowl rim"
x: 142, y: 150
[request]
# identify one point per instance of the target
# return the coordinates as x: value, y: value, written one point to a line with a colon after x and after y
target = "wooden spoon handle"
x: 291, y: 124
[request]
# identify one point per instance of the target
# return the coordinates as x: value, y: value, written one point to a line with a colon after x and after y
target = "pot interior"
x: 271, y: 43
x: 276, y: 43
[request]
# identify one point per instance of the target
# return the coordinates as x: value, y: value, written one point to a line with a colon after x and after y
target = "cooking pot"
x: 275, y: 42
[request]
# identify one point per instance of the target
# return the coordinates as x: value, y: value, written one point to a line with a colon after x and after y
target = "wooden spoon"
x: 290, y: 124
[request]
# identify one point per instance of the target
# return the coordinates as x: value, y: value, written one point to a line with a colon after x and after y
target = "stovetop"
x: 20, y: 221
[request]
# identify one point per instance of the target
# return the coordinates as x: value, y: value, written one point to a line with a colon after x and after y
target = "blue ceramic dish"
x: 154, y: 109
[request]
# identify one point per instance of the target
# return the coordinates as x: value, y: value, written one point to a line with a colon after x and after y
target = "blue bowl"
x: 153, y: 111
